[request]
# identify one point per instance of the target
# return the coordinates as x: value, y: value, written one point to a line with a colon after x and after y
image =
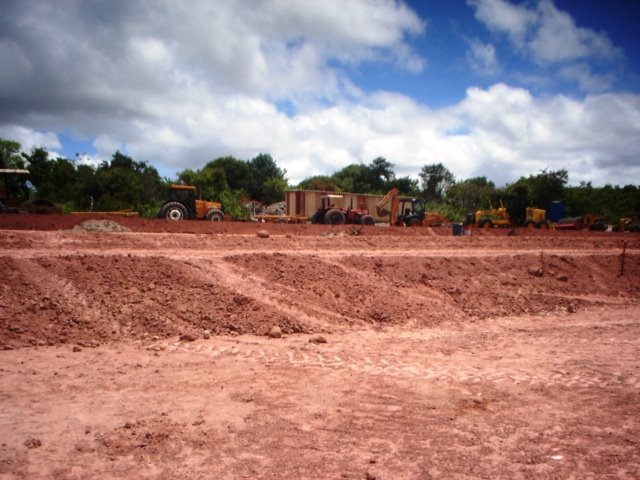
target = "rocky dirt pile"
x: 100, y: 226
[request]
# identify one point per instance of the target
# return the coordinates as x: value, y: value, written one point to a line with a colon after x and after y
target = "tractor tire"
x: 214, y: 215
x: 414, y: 222
x: 334, y: 217
x: 529, y: 224
x: 173, y: 211
x: 315, y: 218
x: 487, y: 225
x: 367, y: 220
x: 634, y: 227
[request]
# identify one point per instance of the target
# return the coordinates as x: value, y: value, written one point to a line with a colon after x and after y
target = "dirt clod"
x: 32, y: 443
x: 275, y: 332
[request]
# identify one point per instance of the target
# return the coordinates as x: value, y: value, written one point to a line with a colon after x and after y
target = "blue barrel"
x: 555, y: 211
x: 456, y: 229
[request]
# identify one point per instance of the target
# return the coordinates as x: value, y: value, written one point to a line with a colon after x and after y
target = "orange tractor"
x: 182, y: 204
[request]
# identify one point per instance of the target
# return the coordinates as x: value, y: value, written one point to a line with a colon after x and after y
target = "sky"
x: 493, y: 88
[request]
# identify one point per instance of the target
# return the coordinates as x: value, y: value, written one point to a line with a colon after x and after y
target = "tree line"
x: 123, y: 183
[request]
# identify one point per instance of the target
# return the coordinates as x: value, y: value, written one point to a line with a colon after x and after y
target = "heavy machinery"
x: 413, y: 211
x: 591, y: 221
x: 500, y: 217
x: 629, y: 224
x: 536, y: 218
x: 14, y: 194
x: 494, y: 217
x: 182, y: 203
x: 331, y: 212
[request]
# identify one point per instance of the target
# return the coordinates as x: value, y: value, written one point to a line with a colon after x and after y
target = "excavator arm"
x: 391, y: 196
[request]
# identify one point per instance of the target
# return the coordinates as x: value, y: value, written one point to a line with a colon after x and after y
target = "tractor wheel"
x: 414, y: 222
x: 334, y: 217
x: 214, y: 215
x: 367, y: 220
x: 173, y: 211
x: 635, y: 227
x: 529, y: 224
x: 314, y: 218
x: 487, y: 225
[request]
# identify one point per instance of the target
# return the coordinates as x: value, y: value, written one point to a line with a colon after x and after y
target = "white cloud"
x: 29, y: 138
x: 482, y: 58
x: 180, y: 83
x: 543, y: 32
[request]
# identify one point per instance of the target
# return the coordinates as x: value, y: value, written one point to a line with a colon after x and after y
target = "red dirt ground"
x: 489, y: 356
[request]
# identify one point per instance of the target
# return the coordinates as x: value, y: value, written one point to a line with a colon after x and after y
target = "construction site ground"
x: 404, y: 353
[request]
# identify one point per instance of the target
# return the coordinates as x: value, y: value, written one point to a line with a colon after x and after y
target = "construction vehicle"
x: 331, y: 212
x: 413, y: 211
x: 536, y: 218
x: 182, y: 203
x: 629, y: 224
x: 591, y: 221
x: 493, y: 217
x: 500, y: 217
x: 14, y: 194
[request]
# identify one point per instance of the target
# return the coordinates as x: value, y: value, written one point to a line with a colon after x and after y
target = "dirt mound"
x: 100, y: 226
x: 58, y: 288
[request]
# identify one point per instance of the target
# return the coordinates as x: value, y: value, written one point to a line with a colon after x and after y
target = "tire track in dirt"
x: 172, y: 253
x: 394, y: 366
x: 259, y: 290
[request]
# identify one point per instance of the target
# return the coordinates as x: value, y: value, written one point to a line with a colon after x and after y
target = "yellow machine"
x: 494, y: 217
x: 629, y: 224
x: 499, y: 217
x: 413, y: 211
x: 183, y: 204
x: 536, y: 218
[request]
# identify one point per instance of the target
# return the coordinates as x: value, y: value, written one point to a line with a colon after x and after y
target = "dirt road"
x: 445, y: 357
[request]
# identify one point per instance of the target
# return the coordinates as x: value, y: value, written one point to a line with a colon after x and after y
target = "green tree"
x: 318, y: 182
x: 407, y: 186
x: 471, y: 194
x: 264, y: 168
x: 352, y: 178
x: 380, y: 173
x: 436, y: 181
x: 10, y: 154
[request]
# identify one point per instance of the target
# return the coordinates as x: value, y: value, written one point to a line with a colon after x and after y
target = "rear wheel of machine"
x: 530, y: 225
x: 367, y: 220
x: 334, y: 217
x: 487, y: 225
x: 543, y: 226
x: 414, y: 222
x: 173, y: 211
x: 214, y: 216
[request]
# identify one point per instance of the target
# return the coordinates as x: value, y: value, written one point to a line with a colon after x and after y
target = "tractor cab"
x: 413, y: 212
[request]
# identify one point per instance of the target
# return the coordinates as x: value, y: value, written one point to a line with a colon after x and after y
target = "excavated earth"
x: 134, y: 348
